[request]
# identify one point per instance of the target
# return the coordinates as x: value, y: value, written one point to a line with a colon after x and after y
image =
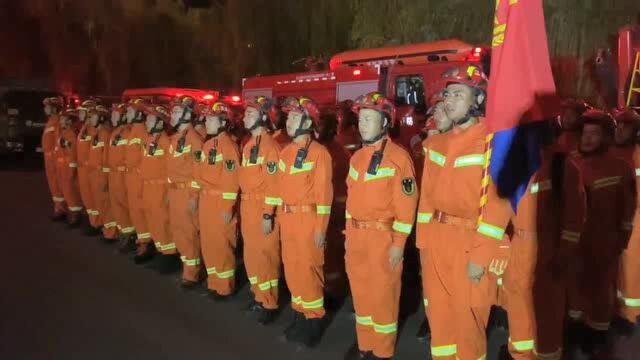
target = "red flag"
x: 520, y: 69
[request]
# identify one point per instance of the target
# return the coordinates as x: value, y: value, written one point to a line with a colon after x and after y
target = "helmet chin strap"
x: 260, y: 122
x: 463, y: 121
x: 182, y: 119
x: 300, y: 130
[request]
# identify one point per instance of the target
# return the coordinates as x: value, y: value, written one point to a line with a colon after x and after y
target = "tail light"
x: 476, y: 54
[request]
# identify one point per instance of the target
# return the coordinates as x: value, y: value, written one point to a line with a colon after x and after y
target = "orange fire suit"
x: 334, y: 267
x: 608, y: 183
x: 117, y: 179
x: 201, y: 130
x: 98, y: 180
x: 133, y: 157
x: 154, y: 176
x: 534, y: 293
x: 67, y: 168
x: 305, y: 193
x: 216, y: 173
x: 85, y: 137
x: 282, y: 138
x: 182, y: 148
x: 629, y: 290
x: 50, y: 136
x: 381, y: 210
x: 261, y: 252
x: 458, y: 310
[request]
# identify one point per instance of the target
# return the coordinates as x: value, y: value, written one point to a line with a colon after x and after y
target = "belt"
x: 445, y: 218
x: 381, y: 225
x: 180, y: 185
x: 121, y: 168
x: 252, y: 197
x: 210, y: 192
x: 155, y: 182
x: 291, y: 209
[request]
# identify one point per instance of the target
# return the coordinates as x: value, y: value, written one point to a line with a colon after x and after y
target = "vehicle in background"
x: 163, y: 95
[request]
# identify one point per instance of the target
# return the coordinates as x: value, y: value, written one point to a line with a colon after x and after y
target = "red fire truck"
x: 407, y: 74
x: 163, y: 95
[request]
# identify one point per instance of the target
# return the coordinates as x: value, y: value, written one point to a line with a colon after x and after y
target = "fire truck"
x: 407, y: 74
x: 163, y: 95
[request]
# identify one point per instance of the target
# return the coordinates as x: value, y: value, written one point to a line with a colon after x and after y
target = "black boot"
x: 127, y: 243
x: 594, y: 341
x: 312, y: 332
x: 58, y: 217
x: 215, y: 296
x: 424, y: 332
x: 293, y: 332
x: 504, y: 354
x: 91, y: 231
x: 622, y: 327
x: 188, y: 285
x: 167, y: 264
x: 73, y: 219
x: 576, y: 332
x: 252, y: 307
x: 145, y: 252
x: 267, y: 316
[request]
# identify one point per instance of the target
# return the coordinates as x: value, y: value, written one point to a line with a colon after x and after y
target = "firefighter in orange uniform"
x: 67, y: 166
x: 216, y: 172
x: 280, y: 134
x: 546, y: 230
x: 85, y: 137
x: 381, y: 206
x: 258, y: 181
x: 133, y: 157
x: 305, y: 198
x: 99, y: 171
x: 198, y: 123
x: 334, y: 268
x: 457, y: 295
x: 572, y: 109
x: 52, y: 107
x: 116, y: 162
x: 183, y: 195
x: 627, y: 126
x: 608, y: 183
x: 154, y: 176
x: 348, y: 135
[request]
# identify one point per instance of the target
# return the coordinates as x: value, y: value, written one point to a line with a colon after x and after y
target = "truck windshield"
x: 410, y: 90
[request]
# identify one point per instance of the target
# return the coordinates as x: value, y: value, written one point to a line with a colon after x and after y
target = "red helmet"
x: 138, y: 104
x: 470, y: 75
x: 159, y: 111
x: 55, y: 101
x: 628, y: 116
x: 119, y: 107
x: 217, y: 108
x: 376, y: 101
x: 303, y: 105
x: 86, y: 105
x: 598, y: 117
x: 264, y: 105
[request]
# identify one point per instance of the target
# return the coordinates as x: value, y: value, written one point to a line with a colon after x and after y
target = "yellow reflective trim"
x: 144, y: 236
x: 75, y: 208
x: 385, y: 328
x: 364, y: 320
x: 259, y: 161
x: 274, y: 201
x: 195, y: 185
x: 253, y: 280
x: 307, y: 166
x: 229, y: 196
x: 128, y: 230
x: 122, y: 142
x: 605, y: 182
x: 135, y: 141
x: 402, y: 227
x: 109, y: 225
x: 469, y: 160
x: 185, y: 150
x: 347, y: 215
x: 192, y: 262
x: 353, y: 173
x: 445, y: 350
x: 437, y: 158
x: 323, y: 210
x: 570, y: 236
x: 541, y: 186
x: 381, y: 173
x: 57, y: 199
x: 523, y: 345
x: 637, y: 171
x: 106, y: 170
x: 99, y: 144
x: 315, y: 304
x: 425, y: 302
x: 424, y: 218
x: 282, y: 166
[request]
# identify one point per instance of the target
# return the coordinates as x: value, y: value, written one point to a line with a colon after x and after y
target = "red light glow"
x: 357, y: 72
x: 208, y: 97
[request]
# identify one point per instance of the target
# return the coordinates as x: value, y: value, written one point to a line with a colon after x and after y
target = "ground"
x: 68, y: 296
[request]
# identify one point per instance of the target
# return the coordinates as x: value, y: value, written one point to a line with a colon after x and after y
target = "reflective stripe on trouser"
x: 85, y: 189
x: 54, y: 186
x: 550, y: 310
x: 69, y: 186
x: 104, y: 216
x: 303, y: 263
x: 184, y: 233
x: 218, y: 242
x: 136, y: 207
x: 458, y: 310
x: 518, y: 291
x: 375, y: 289
x: 119, y: 202
x: 157, y: 215
x: 630, y: 275
x: 261, y: 252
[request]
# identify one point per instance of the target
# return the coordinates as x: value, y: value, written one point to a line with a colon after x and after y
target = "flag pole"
x: 486, y: 179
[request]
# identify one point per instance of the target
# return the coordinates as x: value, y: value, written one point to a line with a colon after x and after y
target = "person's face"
x: 294, y: 118
x: 48, y: 110
x: 370, y: 124
x: 592, y: 138
x: 458, y: 99
x: 212, y: 124
x: 442, y: 120
x: 82, y: 115
x: 93, y: 119
x: 115, y: 118
x: 150, y: 122
x: 251, y: 115
x: 625, y: 133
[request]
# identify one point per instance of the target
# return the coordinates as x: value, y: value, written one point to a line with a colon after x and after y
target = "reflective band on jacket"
x: 144, y: 236
x: 308, y: 166
x: 122, y: 142
x: 381, y: 173
x: 347, y: 215
x: 445, y: 350
x: 437, y: 158
x: 185, y: 150
x: 425, y: 302
x: 264, y: 286
x: 58, y: 199
x: 385, y: 328
x: 158, y: 152
x: 637, y: 171
x: 629, y: 302
x: 282, y: 166
x: 424, y: 218
x: 274, y: 201
x: 135, y: 141
x: 110, y: 225
x: 524, y: 345
x: 491, y: 231
x: 229, y: 196
x: 556, y: 355
x: 353, y: 173
x: 259, y: 161
x: 127, y: 230
x: 571, y: 236
x: 541, y: 186
x: 75, y: 208
x: 315, y: 304
x: 167, y: 247
x: 50, y: 129
x: 195, y: 185
x: 402, y: 227
x: 106, y: 170
x: 323, y: 210
x: 192, y: 262
x: 469, y: 160
x: 608, y: 181
x: 602, y: 326
x: 99, y: 144
x: 73, y: 165
x: 253, y: 280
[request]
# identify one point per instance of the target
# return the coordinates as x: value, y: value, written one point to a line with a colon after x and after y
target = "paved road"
x: 68, y: 296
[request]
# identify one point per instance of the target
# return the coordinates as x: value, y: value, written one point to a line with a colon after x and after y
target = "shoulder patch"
x: 271, y: 167
x: 409, y: 186
x: 230, y: 165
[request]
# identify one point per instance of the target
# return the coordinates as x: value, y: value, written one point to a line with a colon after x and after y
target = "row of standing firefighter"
x: 174, y: 182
